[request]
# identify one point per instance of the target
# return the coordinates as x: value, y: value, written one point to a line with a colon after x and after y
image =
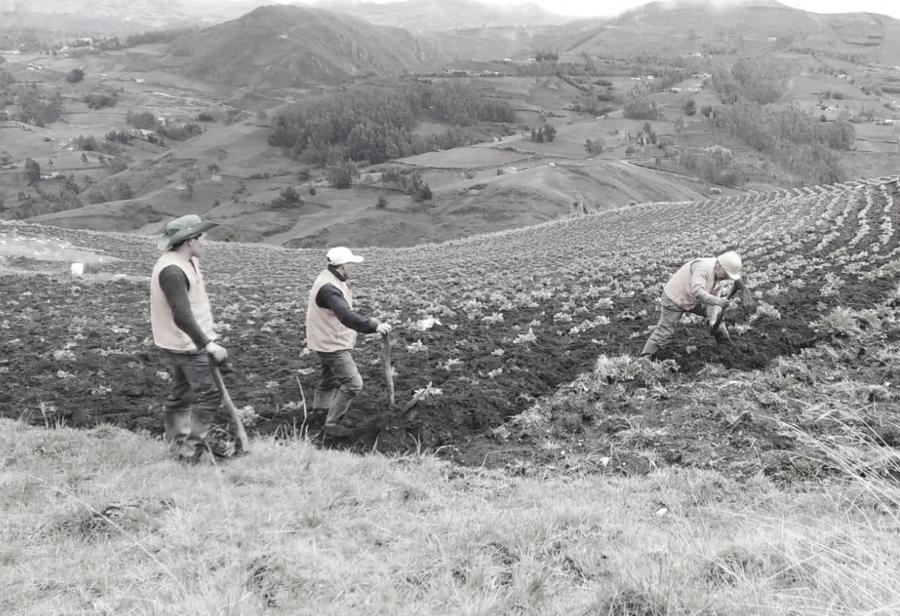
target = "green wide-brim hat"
x: 183, y: 228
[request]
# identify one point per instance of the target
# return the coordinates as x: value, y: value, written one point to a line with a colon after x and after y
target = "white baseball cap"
x: 339, y: 255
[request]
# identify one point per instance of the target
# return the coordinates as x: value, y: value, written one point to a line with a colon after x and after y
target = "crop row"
x: 490, y: 322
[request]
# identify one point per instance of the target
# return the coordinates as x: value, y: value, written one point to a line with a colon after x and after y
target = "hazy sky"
x: 607, y: 8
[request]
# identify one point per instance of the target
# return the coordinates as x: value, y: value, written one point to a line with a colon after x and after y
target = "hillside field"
x: 543, y: 471
x: 498, y: 336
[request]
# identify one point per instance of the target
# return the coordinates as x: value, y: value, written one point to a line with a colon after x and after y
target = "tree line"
x: 760, y: 79
x: 361, y: 125
x: 805, y: 146
x: 800, y: 143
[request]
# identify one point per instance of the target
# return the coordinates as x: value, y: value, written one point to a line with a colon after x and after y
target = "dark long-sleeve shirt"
x: 329, y: 296
x: 175, y: 285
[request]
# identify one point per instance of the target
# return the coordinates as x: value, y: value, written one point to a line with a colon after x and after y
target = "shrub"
x: 421, y: 191
x: 32, y: 171
x: 424, y: 193
x: 119, y: 136
x: 122, y: 190
x: 549, y: 132
x: 690, y: 107
x: 88, y: 144
x: 99, y: 100
x: 287, y: 197
x: 75, y: 75
x: 181, y: 132
x: 143, y: 120
x: 714, y: 164
x: 593, y: 146
x: 640, y: 108
x: 38, y: 111
x: 340, y: 175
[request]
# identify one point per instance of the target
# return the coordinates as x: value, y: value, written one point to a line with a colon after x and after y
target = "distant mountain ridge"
x: 120, y: 16
x: 291, y: 46
x: 441, y: 15
x: 685, y: 27
x: 96, y: 16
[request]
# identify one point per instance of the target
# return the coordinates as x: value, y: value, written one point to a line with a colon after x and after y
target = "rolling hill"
x: 677, y: 28
x: 287, y: 46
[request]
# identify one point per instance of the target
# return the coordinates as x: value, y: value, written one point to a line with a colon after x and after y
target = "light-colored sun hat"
x: 183, y: 228
x: 339, y: 255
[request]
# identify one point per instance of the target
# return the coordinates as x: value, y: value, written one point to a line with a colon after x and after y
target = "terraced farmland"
x: 492, y: 331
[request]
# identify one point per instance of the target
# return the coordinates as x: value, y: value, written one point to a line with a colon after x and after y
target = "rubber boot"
x: 322, y: 399
x: 177, y: 425
x: 195, y: 444
x: 649, y: 351
x: 339, y: 406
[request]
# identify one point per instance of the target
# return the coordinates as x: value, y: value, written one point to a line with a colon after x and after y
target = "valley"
x: 218, y: 160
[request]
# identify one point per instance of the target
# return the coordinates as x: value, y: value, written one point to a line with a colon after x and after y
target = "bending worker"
x: 694, y: 288
x: 331, y: 328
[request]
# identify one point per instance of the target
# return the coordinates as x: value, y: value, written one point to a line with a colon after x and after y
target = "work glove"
x: 383, y: 328
x: 217, y: 352
x: 723, y: 302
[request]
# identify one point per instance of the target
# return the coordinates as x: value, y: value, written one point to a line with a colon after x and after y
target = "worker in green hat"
x: 182, y: 324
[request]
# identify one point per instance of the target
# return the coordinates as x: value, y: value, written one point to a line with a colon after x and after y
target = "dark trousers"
x: 192, y: 402
x: 670, y: 315
x: 341, y: 381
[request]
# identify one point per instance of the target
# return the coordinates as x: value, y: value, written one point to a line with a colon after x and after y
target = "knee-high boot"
x: 339, y: 406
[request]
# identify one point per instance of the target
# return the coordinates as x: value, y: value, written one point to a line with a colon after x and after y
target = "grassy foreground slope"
x: 100, y: 522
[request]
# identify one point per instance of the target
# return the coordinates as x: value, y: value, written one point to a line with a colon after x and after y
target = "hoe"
x: 240, y: 446
x: 386, y: 360
x: 389, y: 377
x: 737, y: 287
x: 382, y: 419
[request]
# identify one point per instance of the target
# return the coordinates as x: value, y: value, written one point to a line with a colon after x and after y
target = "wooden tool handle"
x: 241, y: 446
x: 386, y: 360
